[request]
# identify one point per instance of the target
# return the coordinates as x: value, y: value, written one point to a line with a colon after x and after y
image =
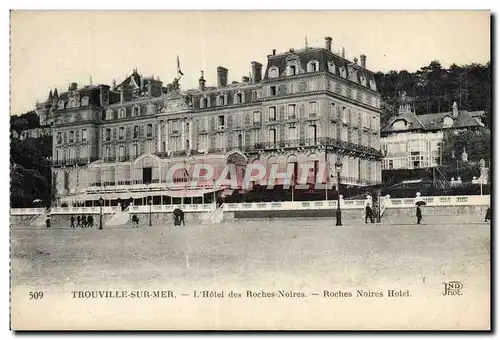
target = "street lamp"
x: 150, y: 205
x: 338, y: 168
x: 101, y: 202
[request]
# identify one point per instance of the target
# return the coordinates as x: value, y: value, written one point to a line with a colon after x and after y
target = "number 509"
x: 36, y: 295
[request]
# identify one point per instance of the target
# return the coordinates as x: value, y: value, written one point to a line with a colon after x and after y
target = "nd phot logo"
x: 453, y: 288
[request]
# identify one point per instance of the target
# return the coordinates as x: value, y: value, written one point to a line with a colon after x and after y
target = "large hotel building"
x: 118, y: 142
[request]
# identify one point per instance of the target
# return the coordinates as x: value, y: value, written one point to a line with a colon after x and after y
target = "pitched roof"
x: 434, y: 121
x: 323, y: 56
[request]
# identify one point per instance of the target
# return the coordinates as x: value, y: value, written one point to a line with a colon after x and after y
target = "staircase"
x: 383, y: 201
x: 214, y: 216
x: 39, y: 220
x: 118, y: 218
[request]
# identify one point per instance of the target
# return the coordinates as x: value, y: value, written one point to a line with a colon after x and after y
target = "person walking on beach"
x: 419, y: 214
x: 90, y: 221
x: 72, y: 220
x: 135, y: 221
x: 84, y: 221
x: 368, y: 213
x: 78, y: 225
x: 488, y: 215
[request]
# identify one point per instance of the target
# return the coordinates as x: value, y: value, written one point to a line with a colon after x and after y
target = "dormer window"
x: 363, y: 80
x: 222, y: 99
x: 273, y: 72
x: 291, y: 70
x: 255, y: 95
x: 399, y: 125
x: 447, y: 122
x: 109, y: 114
x: 313, y: 66
x: 343, y: 72
x: 136, y: 111
x: 121, y: 113
x: 373, y: 86
x: 239, y: 97
x: 85, y: 101
x: 204, y: 102
x: 331, y: 67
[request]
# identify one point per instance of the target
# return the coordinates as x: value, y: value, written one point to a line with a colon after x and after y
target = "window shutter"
x: 247, y: 118
x: 212, y: 123
x: 114, y: 134
x: 349, y: 135
x: 77, y: 135
x: 229, y: 121
x: 197, y: 123
x: 302, y: 131
x: 282, y: 113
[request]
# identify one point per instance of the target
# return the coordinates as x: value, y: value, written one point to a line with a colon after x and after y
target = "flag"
x: 179, y: 67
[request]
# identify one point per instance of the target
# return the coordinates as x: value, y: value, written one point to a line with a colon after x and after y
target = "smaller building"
x: 411, y: 141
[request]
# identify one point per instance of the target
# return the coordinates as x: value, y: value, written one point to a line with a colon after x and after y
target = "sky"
x: 50, y: 49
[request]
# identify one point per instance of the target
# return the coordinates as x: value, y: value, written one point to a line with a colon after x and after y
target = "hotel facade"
x: 306, y: 106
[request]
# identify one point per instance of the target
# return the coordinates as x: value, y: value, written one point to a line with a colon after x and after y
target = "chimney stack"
x: 256, y: 72
x: 363, y: 60
x: 343, y: 52
x: 222, y: 76
x: 245, y: 79
x: 274, y: 51
x: 328, y: 43
x: 201, y: 83
x: 113, y: 84
x: 455, y: 110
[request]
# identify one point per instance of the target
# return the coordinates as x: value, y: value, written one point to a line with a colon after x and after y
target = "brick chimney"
x: 256, y: 72
x: 328, y: 43
x: 222, y: 76
x: 363, y: 60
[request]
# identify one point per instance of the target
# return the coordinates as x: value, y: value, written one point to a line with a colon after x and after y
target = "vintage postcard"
x: 250, y: 170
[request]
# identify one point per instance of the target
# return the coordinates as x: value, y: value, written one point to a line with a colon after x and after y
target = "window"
x: 84, y: 151
x: 106, y: 152
x: 122, y: 152
x: 344, y: 114
x: 221, y: 121
x: 222, y: 99
x: 292, y: 70
x: 84, y: 135
x: 121, y: 132
x: 256, y: 118
x: 312, y: 109
x: 313, y: 66
x: 136, y: 131
x: 291, y: 111
x: 238, y: 99
x: 136, y: 111
x: 150, y: 130
x: 108, y: 134
x: 272, y: 137
x: 254, y: 95
x: 59, y: 138
x: 272, y: 113
x: 135, y: 150
x: 292, y: 133
x: 273, y: 90
x: 333, y: 110
x: 273, y: 72
x: 71, y: 136
x: 313, y: 133
x: 121, y: 113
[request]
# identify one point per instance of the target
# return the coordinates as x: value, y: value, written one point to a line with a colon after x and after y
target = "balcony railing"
x: 73, y: 161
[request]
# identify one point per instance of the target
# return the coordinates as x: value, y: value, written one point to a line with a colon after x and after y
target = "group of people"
x: 81, y: 221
